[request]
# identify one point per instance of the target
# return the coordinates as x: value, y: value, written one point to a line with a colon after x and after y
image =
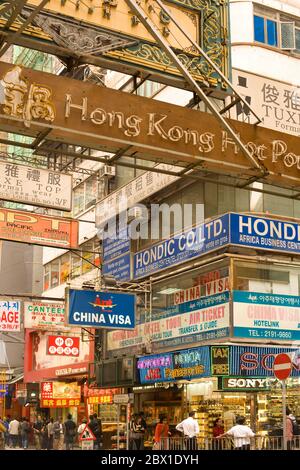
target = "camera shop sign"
x: 86, y: 114
x: 35, y: 186
x: 243, y: 383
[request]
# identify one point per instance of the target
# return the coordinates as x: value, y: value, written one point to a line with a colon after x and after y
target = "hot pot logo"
x: 23, y: 100
x: 104, y: 305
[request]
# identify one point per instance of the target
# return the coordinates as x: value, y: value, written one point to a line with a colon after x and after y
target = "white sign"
x: 87, y: 435
x: 35, y: 186
x: 205, y: 322
x: 121, y: 398
x: 276, y: 103
x: 134, y: 192
x: 10, y: 315
x: 45, y: 316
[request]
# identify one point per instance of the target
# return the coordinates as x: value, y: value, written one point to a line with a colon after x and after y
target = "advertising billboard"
x: 63, y: 346
x: 45, y: 316
x: 10, y: 315
x: 32, y: 228
x: 101, y: 309
x: 60, y: 394
x: 36, y: 186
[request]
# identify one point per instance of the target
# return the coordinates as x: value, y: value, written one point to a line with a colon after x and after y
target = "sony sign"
x: 245, y: 383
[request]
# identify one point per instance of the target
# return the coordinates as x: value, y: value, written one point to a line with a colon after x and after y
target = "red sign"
x: 29, y: 227
x: 100, y: 400
x: 59, y: 402
x: 282, y: 366
x: 63, y: 346
x: 47, y: 390
x: 87, y: 435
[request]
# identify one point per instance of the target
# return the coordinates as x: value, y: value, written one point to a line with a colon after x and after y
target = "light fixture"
x: 169, y: 290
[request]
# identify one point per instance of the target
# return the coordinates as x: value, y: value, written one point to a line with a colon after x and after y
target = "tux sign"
x: 101, y: 309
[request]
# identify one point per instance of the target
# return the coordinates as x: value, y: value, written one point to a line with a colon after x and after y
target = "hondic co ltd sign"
x: 85, y: 114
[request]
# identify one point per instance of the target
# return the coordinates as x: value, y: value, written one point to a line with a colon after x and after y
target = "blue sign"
x: 119, y: 268
x: 114, y: 247
x: 3, y: 390
x: 264, y: 234
x: 169, y: 367
x: 257, y: 361
x: 206, y: 237
x: 269, y: 316
x: 101, y: 309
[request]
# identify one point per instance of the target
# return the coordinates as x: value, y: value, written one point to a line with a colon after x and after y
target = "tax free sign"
x: 250, y: 231
x: 101, y: 309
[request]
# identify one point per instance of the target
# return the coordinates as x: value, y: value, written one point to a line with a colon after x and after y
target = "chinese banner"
x: 10, y: 315
x: 60, y: 394
x: 59, y: 403
x: 100, y: 400
x: 63, y: 346
x: 44, y: 316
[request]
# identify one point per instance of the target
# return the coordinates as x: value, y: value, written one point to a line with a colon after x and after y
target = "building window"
x: 55, y: 273
x: 265, y: 31
x: 76, y: 266
x: 86, y: 195
x: 47, y: 277
x: 64, y: 268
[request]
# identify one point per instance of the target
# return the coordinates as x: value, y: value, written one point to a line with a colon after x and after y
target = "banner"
x: 60, y: 394
x: 45, y: 316
x: 10, y: 315
x: 29, y: 227
x: 268, y: 316
x: 186, y: 364
x: 63, y: 346
x: 206, y: 318
x: 101, y: 309
x: 197, y: 241
x: 35, y: 186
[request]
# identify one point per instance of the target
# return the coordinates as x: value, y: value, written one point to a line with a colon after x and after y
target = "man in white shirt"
x: 14, y: 432
x: 190, y: 428
x: 241, y: 434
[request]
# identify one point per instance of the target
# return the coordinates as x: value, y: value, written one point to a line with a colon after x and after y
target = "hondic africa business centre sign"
x: 86, y: 114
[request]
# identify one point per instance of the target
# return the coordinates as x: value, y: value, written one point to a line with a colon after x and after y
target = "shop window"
x: 64, y: 268
x: 46, y: 277
x: 55, y: 273
x: 88, y: 255
x: 76, y: 266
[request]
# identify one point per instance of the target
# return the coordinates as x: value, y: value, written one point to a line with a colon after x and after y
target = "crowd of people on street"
x: 47, y: 434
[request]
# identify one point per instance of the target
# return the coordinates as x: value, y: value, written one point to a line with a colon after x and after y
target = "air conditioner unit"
x: 107, y: 170
x: 135, y: 213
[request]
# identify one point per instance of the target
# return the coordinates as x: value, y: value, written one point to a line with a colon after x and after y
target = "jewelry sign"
x: 35, y: 186
x: 85, y: 114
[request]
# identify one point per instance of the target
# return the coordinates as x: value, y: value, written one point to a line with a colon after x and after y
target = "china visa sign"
x: 101, y: 309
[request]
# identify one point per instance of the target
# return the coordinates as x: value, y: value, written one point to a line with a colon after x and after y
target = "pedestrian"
x: 96, y: 429
x: 291, y: 423
x: 218, y: 430
x: 14, y: 432
x: 58, y: 437
x: 6, y: 433
x: 69, y: 432
x: 98, y: 436
x: 161, y: 434
x: 190, y: 429
x: 50, y: 430
x: 136, y: 436
x: 241, y: 434
x: 37, y: 428
x: 2, y: 434
x: 44, y: 435
x: 25, y: 431
x: 229, y: 418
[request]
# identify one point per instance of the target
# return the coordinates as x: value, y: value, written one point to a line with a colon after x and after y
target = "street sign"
x: 87, y: 435
x: 282, y: 366
x: 87, y: 445
x: 121, y: 399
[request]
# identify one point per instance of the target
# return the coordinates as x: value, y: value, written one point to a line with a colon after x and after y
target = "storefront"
x: 213, y: 380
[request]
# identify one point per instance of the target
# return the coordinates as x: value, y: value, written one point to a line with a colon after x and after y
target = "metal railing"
x: 227, y: 443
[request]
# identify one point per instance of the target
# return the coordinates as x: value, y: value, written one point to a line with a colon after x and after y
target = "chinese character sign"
x: 35, y: 186
x: 44, y: 316
x: 60, y: 394
x: 10, y: 315
x: 63, y: 346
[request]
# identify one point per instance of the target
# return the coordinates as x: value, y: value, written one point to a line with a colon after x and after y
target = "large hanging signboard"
x: 44, y: 316
x: 85, y: 114
x: 101, y: 309
x: 266, y: 316
x: 29, y: 227
x: 199, y: 320
x: 60, y: 394
x: 116, y: 38
x: 277, y: 103
x: 10, y: 315
x: 35, y: 186
x: 63, y: 346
